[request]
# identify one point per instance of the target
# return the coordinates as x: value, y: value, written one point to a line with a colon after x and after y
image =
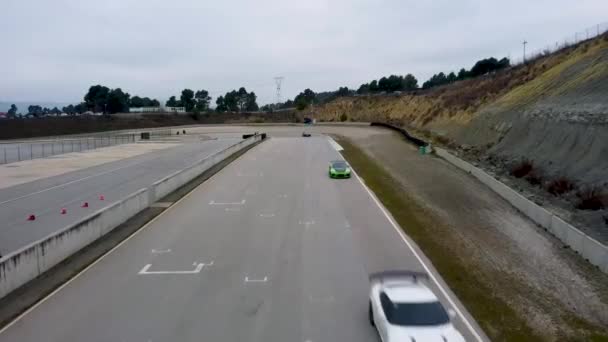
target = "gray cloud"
x: 53, y: 50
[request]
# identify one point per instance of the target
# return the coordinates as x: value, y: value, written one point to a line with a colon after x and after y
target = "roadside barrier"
x: 19, y: 267
x: 590, y: 249
x: 406, y: 135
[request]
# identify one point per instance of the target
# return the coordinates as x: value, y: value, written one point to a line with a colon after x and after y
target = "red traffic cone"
x: 32, y: 217
x: 64, y: 211
x: 85, y: 205
x: 101, y: 198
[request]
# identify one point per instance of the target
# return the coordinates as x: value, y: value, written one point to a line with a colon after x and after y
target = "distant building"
x: 175, y: 109
x: 145, y: 109
x: 3, y: 115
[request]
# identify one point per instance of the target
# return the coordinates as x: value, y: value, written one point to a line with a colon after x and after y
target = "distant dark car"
x: 306, y: 135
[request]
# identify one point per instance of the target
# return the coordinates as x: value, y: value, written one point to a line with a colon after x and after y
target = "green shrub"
x: 343, y: 117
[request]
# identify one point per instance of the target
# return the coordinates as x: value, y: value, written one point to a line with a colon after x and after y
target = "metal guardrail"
x: 27, y: 150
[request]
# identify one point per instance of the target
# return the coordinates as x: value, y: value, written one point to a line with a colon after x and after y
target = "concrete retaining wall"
x: 589, y: 248
x: 33, y: 260
x: 29, y: 262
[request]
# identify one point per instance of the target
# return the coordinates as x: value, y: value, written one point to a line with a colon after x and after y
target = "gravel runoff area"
x: 557, y: 292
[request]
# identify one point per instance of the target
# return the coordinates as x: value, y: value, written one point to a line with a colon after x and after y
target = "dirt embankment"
x: 27, y: 128
x: 551, y: 113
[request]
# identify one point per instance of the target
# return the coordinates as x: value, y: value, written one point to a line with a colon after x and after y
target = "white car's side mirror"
x: 452, y: 313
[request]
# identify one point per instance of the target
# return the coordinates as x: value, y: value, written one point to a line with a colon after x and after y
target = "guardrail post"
x: 42, y: 146
x: 5, y: 155
x: 31, y: 151
x: 18, y: 152
x: 53, y: 148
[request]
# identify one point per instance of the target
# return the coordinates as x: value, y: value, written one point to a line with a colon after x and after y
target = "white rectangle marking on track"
x: 262, y: 280
x: 160, y: 251
x: 198, y: 269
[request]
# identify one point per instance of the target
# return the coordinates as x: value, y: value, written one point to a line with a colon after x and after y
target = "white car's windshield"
x: 417, y: 314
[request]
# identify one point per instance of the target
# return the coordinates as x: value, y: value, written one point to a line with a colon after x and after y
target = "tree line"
x: 101, y: 99
x: 481, y: 67
x: 389, y: 84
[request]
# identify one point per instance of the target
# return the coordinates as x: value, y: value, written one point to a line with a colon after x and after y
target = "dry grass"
x: 535, y: 177
x: 522, y: 168
x: 560, y: 186
x: 591, y: 198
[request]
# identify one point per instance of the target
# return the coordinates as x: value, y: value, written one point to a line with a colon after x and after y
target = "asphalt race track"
x: 46, y: 197
x: 269, y: 250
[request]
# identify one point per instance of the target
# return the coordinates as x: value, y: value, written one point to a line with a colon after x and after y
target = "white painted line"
x: 227, y: 203
x: 160, y: 251
x: 247, y: 280
x: 266, y: 215
x: 334, y: 144
x: 98, y: 260
x: 306, y: 223
x: 426, y: 268
x: 198, y: 269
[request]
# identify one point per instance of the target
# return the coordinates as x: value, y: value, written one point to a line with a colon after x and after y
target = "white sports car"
x: 404, y: 310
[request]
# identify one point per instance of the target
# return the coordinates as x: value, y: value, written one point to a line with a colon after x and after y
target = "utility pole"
x: 525, y: 42
x: 278, y: 80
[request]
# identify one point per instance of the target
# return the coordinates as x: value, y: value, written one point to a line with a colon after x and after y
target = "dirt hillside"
x: 553, y: 111
x: 540, y: 127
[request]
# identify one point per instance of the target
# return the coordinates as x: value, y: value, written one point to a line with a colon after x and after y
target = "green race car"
x: 339, y: 169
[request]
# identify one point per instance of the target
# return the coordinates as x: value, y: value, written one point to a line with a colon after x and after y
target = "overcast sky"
x: 53, y: 50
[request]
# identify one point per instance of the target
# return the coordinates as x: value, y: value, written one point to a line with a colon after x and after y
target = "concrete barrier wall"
x: 29, y: 262
x: 589, y: 248
x: 165, y: 186
x: 23, y: 265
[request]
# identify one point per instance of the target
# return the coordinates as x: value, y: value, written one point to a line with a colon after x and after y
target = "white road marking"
x: 266, y: 215
x: 426, y: 268
x: 160, y: 251
x: 198, y: 269
x: 232, y: 209
x: 226, y: 203
x: 282, y: 196
x: 306, y: 224
x: 247, y: 280
x: 334, y: 144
